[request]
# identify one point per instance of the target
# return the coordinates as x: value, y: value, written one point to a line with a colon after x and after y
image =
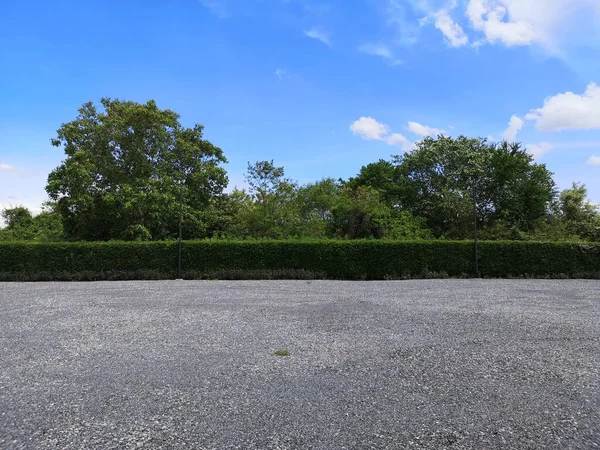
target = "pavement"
x: 435, y: 364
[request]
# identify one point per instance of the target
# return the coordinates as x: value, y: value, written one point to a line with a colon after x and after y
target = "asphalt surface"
x: 458, y: 364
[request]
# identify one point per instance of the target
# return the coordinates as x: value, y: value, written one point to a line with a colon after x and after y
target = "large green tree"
x: 444, y: 174
x: 384, y: 176
x: 122, y: 173
x: 438, y: 179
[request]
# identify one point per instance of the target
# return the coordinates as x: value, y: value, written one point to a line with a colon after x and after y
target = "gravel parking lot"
x: 459, y: 364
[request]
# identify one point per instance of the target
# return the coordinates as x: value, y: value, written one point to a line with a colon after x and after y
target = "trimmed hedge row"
x: 371, y: 260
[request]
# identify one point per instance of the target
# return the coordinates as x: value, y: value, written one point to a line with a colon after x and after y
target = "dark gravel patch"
x: 457, y: 364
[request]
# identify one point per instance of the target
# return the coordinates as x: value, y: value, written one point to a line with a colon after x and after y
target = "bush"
x: 93, y: 257
x: 137, y: 233
x: 333, y: 259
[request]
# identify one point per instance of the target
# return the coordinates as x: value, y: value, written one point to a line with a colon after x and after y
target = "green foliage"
x: 359, y: 213
x: 127, y: 165
x: 315, y: 204
x: 353, y: 260
x: 23, y: 226
x: 384, y: 176
x: 265, y: 180
x: 580, y: 217
x: 18, y: 217
x: 124, y: 165
x: 438, y: 179
x: 403, y: 225
x: 88, y: 257
x: 571, y: 218
x: 269, y: 210
x: 277, y: 208
x: 136, y: 233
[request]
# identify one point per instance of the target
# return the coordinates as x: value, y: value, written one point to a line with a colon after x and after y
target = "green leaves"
x: 18, y: 217
x: 125, y: 163
x: 21, y: 225
x: 341, y: 259
x: 436, y: 181
x: 579, y: 216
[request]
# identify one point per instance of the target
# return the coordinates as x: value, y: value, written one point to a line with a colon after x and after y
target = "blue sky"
x: 321, y: 87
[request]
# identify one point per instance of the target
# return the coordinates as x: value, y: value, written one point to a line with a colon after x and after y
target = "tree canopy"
x: 127, y: 163
x: 440, y: 177
x: 22, y: 225
x: 124, y: 164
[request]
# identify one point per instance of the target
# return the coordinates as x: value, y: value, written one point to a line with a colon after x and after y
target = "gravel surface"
x: 458, y: 364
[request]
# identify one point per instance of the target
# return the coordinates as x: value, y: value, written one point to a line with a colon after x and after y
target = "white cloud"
x: 382, y: 51
x: 319, y: 34
x: 537, y: 150
x: 281, y: 74
x: 7, y: 168
x: 525, y: 22
x: 453, y: 31
x: 397, y: 139
x: 368, y: 128
x: 593, y: 161
x: 423, y: 130
x: 514, y: 126
x: 554, y: 25
x: 569, y: 111
x: 489, y: 18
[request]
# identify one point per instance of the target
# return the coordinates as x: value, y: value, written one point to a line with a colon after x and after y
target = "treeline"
x: 128, y: 165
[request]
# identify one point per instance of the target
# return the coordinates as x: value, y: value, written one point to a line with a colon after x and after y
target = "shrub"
x: 333, y: 259
x: 137, y: 233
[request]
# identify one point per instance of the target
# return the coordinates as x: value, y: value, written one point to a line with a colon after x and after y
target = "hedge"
x: 369, y: 259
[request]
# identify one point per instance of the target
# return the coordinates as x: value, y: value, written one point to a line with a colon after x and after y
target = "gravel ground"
x: 458, y: 364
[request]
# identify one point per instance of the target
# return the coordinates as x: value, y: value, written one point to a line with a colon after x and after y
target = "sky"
x: 320, y: 87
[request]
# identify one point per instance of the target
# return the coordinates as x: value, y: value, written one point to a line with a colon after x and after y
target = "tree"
x: 384, y: 176
x: 273, y: 213
x: 123, y: 168
x: 233, y: 213
x: 17, y: 217
x: 579, y: 216
x: 361, y: 213
x: 266, y: 180
x: 22, y: 225
x: 315, y: 204
x: 440, y: 177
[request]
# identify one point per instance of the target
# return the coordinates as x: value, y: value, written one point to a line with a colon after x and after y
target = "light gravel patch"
x: 458, y: 364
